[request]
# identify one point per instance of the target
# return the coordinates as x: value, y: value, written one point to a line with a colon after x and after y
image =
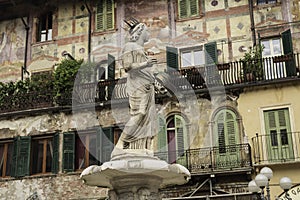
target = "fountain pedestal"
x: 135, y: 177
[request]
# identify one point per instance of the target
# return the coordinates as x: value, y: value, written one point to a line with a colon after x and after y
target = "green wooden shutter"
x: 14, y: 158
x: 211, y: 58
x: 105, y: 15
x: 162, y: 135
x: 288, y: 49
x: 172, y: 58
x: 21, y: 157
x: 100, y: 16
x: 69, y: 152
x: 111, y: 67
x: 231, y: 128
x: 279, y: 140
x: 179, y: 127
x: 182, y: 8
x: 55, y: 159
x: 105, y: 141
x: 109, y: 14
x: 111, y: 75
x: 194, y: 8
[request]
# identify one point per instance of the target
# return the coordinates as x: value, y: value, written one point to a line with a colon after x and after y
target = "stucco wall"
x: 49, y: 187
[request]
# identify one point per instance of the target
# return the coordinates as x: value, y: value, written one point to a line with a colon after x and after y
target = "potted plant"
x: 252, y: 64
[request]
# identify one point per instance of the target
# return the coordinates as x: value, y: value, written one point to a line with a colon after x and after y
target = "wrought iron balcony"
x: 270, y: 70
x: 214, y: 159
x: 276, y: 147
x: 231, y: 75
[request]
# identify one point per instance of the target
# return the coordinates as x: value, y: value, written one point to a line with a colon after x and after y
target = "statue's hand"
x: 151, y: 61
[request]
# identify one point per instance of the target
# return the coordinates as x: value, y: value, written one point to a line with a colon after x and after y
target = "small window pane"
x: 199, y: 58
x: 284, y: 137
x: 50, y: 34
x: 92, y: 150
x: 267, y: 48
x: 37, y: 156
x: 276, y: 47
x: 274, y: 139
x: 186, y: 59
x: 49, y: 156
x: 80, y: 153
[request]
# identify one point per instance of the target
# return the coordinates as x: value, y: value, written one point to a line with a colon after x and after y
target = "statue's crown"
x: 132, y: 23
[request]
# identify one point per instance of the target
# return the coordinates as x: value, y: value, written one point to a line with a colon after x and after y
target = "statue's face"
x: 145, y: 195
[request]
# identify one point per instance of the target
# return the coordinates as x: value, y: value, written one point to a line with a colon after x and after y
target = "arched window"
x: 226, y: 129
x: 226, y: 136
x: 172, y: 138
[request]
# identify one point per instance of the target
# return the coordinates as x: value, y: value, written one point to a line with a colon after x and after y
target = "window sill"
x: 42, y: 43
x: 98, y: 32
x: 267, y: 5
x: 189, y: 18
x: 4, y: 179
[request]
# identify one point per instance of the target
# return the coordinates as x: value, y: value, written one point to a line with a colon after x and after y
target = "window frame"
x: 192, y: 50
x: 86, y: 144
x: 46, y: 20
x: 177, y: 155
x: 45, y: 140
x: 6, y: 160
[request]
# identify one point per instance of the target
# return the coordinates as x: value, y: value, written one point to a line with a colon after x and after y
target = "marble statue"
x: 142, y: 125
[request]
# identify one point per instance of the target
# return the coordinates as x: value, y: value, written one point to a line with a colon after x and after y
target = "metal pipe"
x: 250, y: 2
x: 89, y: 31
x: 24, y: 68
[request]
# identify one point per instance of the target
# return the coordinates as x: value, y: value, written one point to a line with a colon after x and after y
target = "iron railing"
x: 269, y: 70
x: 206, y: 160
x: 276, y: 147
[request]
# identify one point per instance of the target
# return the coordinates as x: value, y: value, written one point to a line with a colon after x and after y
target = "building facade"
x: 236, y: 62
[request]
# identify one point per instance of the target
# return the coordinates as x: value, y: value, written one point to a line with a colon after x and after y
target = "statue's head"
x: 138, y: 31
x: 144, y: 194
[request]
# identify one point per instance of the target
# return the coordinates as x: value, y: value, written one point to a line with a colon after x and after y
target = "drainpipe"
x: 24, y: 68
x: 90, y: 32
x: 250, y: 2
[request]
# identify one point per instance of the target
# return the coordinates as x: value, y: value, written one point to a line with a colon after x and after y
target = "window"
x: 272, y: 47
x: 6, y: 151
x: 85, y: 150
x: 192, y: 57
x: 226, y: 130
x: 106, y: 71
x: 188, y: 8
x: 278, y: 134
x: 32, y: 155
x: 105, y: 15
x: 172, y: 139
x: 42, y: 155
x: 226, y: 138
x: 259, y: 2
x: 44, y: 30
x: 90, y: 147
x: 284, y: 65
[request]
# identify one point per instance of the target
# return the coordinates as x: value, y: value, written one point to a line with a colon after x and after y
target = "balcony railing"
x: 214, y: 159
x: 271, y: 70
x: 276, y: 148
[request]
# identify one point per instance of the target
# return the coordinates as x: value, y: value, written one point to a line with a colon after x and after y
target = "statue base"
x: 135, y: 177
